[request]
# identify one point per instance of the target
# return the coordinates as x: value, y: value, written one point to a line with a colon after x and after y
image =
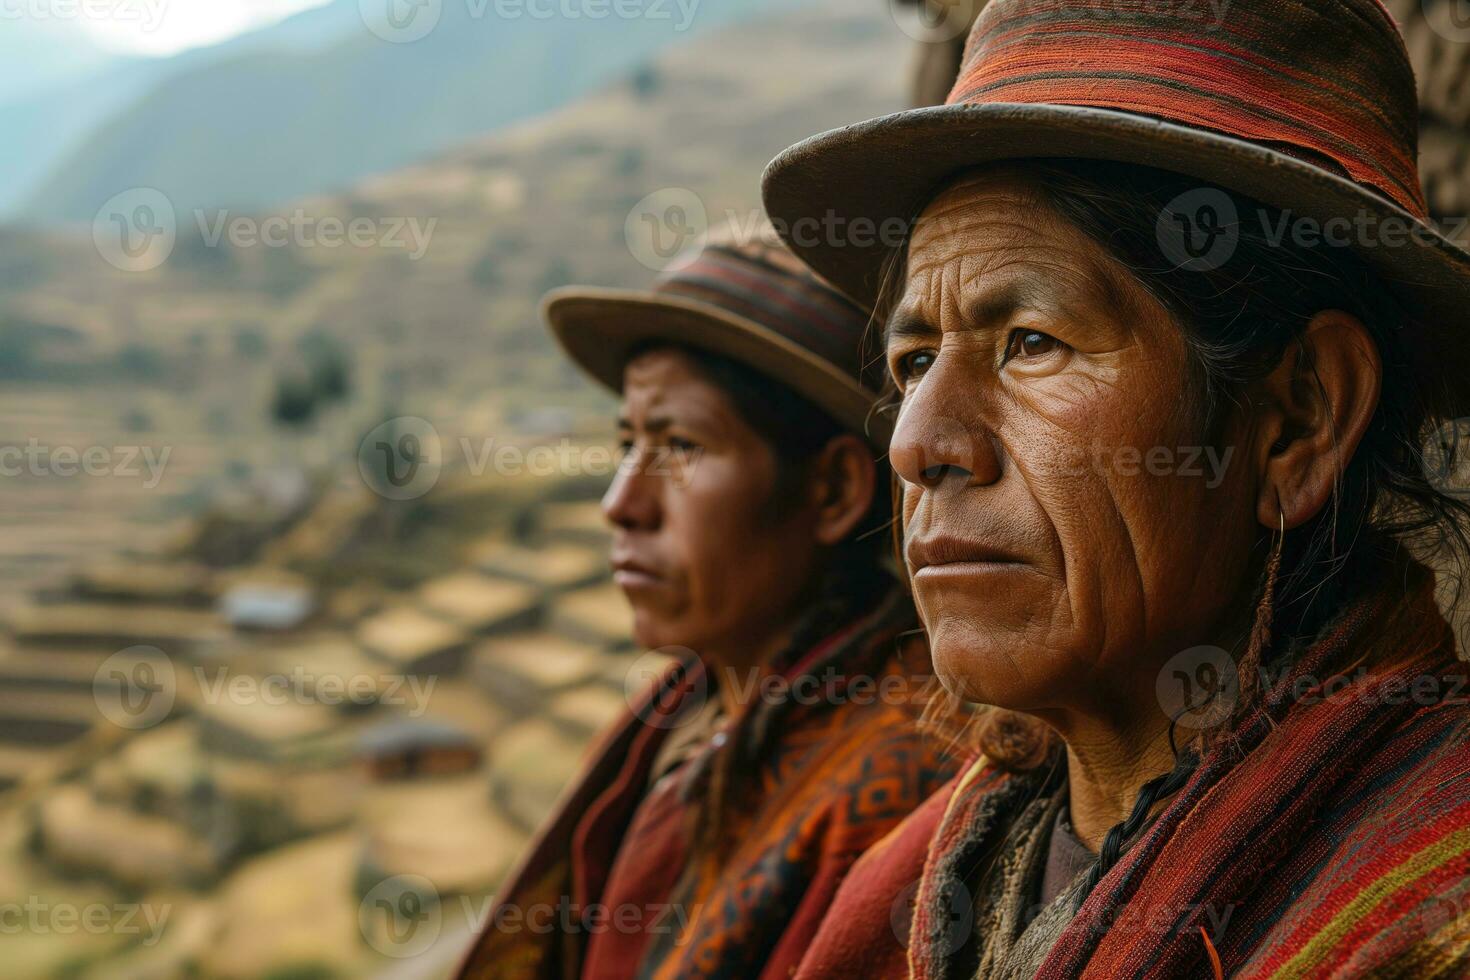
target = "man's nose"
x: 632, y: 501
x: 940, y: 437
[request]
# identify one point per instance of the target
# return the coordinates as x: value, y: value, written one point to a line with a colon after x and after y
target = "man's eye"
x: 1031, y: 343
x: 682, y: 444
x: 913, y: 365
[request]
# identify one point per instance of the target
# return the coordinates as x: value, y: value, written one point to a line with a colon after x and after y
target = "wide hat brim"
x: 888, y: 168
x: 600, y: 329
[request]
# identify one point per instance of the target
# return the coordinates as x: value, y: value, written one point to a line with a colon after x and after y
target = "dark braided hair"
x: 1237, y: 319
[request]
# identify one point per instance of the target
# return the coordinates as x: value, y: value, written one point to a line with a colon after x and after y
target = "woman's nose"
x: 940, y: 437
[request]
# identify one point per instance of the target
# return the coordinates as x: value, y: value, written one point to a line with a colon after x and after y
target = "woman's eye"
x: 913, y: 365
x: 1031, y: 343
x: 680, y: 443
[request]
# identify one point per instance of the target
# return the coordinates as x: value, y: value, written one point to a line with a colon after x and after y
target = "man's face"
x: 698, y: 547
x: 1066, y: 530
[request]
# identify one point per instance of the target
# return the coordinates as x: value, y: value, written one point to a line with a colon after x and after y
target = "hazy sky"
x: 160, y: 27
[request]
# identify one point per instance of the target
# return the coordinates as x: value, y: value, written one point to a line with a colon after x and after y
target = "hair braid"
x: 1156, y: 789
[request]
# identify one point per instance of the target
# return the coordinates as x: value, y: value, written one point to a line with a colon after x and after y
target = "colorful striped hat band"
x: 1329, y: 84
x: 769, y: 286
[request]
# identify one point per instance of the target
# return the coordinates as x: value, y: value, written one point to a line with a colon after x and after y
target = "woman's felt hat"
x: 1305, y: 105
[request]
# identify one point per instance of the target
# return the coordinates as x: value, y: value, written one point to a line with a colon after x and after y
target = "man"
x: 718, y: 818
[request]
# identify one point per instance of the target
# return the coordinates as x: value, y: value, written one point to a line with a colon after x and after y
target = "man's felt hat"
x: 751, y: 302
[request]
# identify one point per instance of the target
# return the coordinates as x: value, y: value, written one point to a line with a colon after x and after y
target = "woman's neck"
x: 1106, y: 769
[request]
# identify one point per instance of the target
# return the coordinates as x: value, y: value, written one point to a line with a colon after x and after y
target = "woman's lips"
x: 966, y: 569
x: 945, y: 555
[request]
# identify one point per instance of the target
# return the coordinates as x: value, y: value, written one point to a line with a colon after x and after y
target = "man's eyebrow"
x: 656, y: 424
x: 906, y: 323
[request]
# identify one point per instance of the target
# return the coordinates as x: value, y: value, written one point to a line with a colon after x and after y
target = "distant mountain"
x: 271, y: 124
x: 56, y: 87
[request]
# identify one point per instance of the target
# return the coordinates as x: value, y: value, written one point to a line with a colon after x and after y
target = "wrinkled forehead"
x: 990, y: 240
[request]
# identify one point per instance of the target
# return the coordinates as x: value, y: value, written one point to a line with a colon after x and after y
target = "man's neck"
x: 740, y: 666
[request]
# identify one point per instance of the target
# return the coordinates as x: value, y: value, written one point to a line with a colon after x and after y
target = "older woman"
x: 1169, y: 337
x: 716, y: 820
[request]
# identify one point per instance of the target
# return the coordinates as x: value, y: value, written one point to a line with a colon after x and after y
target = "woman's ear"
x: 842, y: 487
x: 1318, y: 402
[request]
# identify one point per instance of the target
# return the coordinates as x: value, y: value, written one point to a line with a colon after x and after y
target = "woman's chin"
x: 983, y: 673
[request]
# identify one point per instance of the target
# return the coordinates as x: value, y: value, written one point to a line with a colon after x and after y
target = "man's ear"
x: 842, y: 485
x: 1317, y: 404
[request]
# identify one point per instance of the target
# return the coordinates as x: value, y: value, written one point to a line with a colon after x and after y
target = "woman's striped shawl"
x: 1329, y: 838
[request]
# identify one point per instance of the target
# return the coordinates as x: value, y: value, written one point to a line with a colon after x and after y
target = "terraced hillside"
x: 239, y: 796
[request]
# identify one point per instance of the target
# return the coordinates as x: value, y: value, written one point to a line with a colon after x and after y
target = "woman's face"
x: 1066, y: 527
